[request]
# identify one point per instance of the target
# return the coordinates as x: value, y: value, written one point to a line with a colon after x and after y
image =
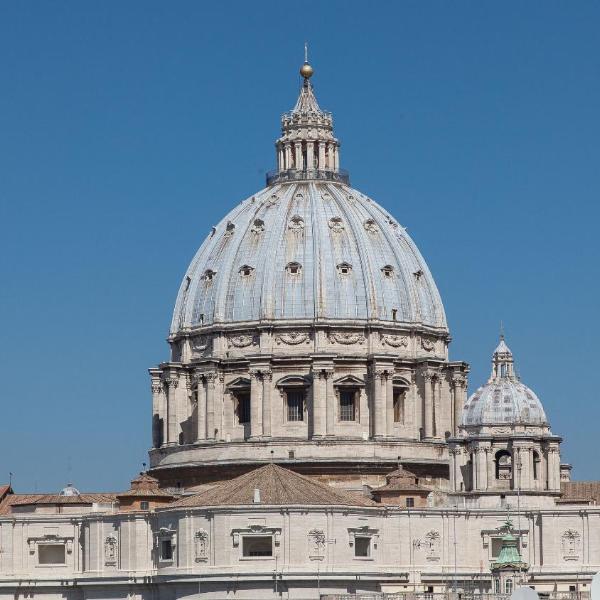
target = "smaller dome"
x: 70, y: 490
x: 503, y: 400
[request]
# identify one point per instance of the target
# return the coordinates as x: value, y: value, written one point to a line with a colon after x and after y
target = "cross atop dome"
x: 307, y: 148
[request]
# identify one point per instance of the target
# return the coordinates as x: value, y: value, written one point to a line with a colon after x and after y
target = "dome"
x: 504, y: 399
x: 307, y: 251
x: 69, y: 490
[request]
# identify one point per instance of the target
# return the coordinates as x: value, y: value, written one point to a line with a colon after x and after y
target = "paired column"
x: 200, y: 410
x: 172, y: 424
x: 256, y: 404
x: 211, y: 384
x: 319, y: 404
x: 330, y: 402
x: 310, y: 155
x: 458, y: 401
x: 379, y: 402
x: 428, y: 376
x: 157, y: 412
x: 267, y: 376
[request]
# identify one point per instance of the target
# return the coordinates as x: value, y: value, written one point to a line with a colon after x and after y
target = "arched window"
x: 503, y: 465
x: 344, y: 268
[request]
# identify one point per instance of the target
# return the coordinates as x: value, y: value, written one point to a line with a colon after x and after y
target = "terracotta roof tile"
x: 580, y: 490
x: 278, y: 486
x: 39, y: 499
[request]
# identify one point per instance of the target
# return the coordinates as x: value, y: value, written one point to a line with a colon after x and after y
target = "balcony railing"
x: 274, y: 177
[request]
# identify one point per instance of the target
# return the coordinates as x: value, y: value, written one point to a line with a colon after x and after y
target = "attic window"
x: 209, y: 275
x: 246, y: 270
x: 418, y: 274
x: 394, y: 314
x: 344, y: 268
x: 387, y: 271
x: 294, y: 268
x: 51, y: 554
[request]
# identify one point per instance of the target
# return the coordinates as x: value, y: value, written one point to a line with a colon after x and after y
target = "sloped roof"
x: 39, y: 499
x: 580, y: 490
x: 145, y: 486
x: 278, y: 486
x: 401, y: 480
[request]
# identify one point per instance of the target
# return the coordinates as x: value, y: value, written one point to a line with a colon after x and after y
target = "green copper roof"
x: 509, y: 557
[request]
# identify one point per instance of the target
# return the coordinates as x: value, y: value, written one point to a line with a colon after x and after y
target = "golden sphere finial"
x: 306, y: 71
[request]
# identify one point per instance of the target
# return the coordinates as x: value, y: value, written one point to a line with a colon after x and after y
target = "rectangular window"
x: 399, y: 394
x: 347, y: 405
x: 166, y: 550
x: 243, y: 407
x: 51, y: 554
x: 144, y: 505
x: 362, y: 547
x: 295, y: 405
x: 410, y: 502
x: 257, y: 545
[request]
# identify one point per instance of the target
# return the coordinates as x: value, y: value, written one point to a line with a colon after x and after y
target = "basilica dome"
x: 504, y: 400
x: 307, y: 251
x: 308, y: 247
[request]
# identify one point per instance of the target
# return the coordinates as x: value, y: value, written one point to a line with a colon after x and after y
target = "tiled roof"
x: 145, y: 486
x: 580, y: 490
x: 4, y: 489
x: 278, y: 486
x: 39, y: 499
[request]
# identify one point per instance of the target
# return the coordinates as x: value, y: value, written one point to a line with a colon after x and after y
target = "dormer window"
x: 209, y: 275
x: 344, y: 268
x: 246, y: 270
x: 294, y: 268
x: 296, y: 223
x: 388, y: 271
x: 258, y: 226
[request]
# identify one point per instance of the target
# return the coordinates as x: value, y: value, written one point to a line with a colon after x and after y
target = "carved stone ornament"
x: 292, y: 338
x: 396, y: 341
x: 430, y: 544
x: 570, y: 543
x: 201, y: 545
x: 347, y: 338
x: 273, y: 200
x: 316, y: 544
x: 110, y: 550
x: 241, y: 341
x: 428, y: 344
x: 157, y: 387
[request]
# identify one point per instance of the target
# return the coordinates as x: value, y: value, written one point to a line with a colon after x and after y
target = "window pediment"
x: 349, y: 381
x: 293, y: 381
x: 240, y: 383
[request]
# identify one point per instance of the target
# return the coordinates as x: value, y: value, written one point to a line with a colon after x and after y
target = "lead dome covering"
x: 307, y: 251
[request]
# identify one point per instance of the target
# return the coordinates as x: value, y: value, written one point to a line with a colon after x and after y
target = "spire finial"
x: 501, y: 330
x: 306, y: 70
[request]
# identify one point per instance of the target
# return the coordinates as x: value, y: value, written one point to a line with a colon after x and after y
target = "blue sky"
x: 128, y: 129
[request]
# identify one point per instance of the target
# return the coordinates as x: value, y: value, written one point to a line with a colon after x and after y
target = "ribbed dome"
x: 502, y: 402
x: 504, y: 399
x: 306, y: 251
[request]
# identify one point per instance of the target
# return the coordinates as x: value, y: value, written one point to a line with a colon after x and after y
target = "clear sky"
x: 127, y: 129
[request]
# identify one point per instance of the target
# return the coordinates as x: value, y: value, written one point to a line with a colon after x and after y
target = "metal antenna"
x: 10, y: 476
